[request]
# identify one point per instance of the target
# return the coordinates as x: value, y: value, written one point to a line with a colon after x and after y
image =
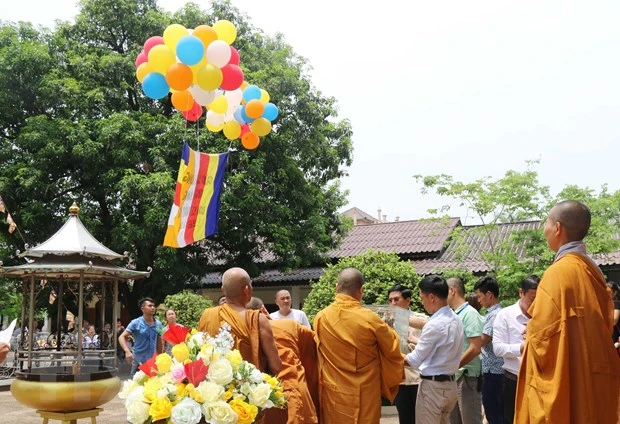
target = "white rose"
x: 137, y: 408
x: 128, y: 386
x: 186, y: 412
x: 220, y: 372
x: 256, y: 376
x: 197, y: 340
x: 167, y: 391
x: 140, y: 377
x: 210, y: 391
x: 259, y: 395
x: 219, y: 413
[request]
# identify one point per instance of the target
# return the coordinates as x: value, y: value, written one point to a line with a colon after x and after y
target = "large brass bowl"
x: 55, y: 389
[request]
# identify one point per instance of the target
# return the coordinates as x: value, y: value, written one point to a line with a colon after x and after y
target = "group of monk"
x: 338, y: 371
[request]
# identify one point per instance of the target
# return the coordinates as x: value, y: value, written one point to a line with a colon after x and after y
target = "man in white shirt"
x: 508, y: 340
x: 283, y: 300
x: 437, y: 354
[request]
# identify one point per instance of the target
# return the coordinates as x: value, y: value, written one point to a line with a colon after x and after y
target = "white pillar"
x: 296, y: 295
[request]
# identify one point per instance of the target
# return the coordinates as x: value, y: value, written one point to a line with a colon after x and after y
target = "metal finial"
x: 74, y: 210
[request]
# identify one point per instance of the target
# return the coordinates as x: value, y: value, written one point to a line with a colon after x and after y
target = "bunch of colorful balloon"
x: 200, y: 68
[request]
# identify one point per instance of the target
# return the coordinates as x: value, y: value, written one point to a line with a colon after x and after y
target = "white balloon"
x: 234, y: 99
x: 203, y: 97
x: 215, y: 119
x: 218, y: 53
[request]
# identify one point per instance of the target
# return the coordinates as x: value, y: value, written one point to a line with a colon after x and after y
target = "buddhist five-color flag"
x: 196, y: 207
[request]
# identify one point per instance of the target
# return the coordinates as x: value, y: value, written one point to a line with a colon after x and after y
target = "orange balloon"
x: 254, y: 109
x: 182, y: 100
x: 206, y: 34
x: 179, y: 76
x: 250, y: 141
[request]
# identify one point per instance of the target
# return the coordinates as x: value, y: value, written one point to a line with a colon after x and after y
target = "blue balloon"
x: 155, y: 86
x: 190, y: 50
x: 251, y: 92
x: 245, y: 117
x: 271, y: 112
x: 238, y: 115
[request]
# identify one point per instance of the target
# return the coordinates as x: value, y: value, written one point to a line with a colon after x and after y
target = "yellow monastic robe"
x: 245, y: 331
x: 570, y: 372
x: 297, y: 350
x: 359, y: 360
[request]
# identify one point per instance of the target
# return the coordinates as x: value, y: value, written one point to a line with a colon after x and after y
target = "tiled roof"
x: 356, y: 213
x: 271, y: 277
x: 406, y: 238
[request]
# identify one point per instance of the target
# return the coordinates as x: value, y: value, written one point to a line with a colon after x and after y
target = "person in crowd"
x: 90, y: 339
x: 299, y: 373
x: 359, y: 356
x: 251, y: 330
x: 472, y: 299
x: 4, y: 351
x: 487, y: 290
x: 283, y: 300
x: 508, y: 337
x: 400, y: 296
x: 171, y: 319
x: 468, y: 409
x: 615, y: 293
x: 145, y: 332
x: 221, y: 300
x: 570, y: 372
x: 437, y: 354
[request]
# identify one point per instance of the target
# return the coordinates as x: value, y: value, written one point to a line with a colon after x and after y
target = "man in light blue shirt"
x: 437, y: 354
x: 145, y: 332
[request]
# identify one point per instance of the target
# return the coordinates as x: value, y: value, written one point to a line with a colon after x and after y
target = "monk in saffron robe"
x: 250, y: 329
x: 359, y: 357
x: 297, y: 350
x: 570, y: 372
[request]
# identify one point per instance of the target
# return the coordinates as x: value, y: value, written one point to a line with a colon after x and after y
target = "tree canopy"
x: 75, y: 126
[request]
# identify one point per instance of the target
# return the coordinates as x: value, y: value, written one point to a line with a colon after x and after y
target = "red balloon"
x: 232, y: 77
x: 245, y: 128
x: 152, y: 42
x: 234, y: 56
x: 194, y: 113
x: 142, y: 58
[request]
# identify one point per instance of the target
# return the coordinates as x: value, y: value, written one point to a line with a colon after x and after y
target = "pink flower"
x: 178, y: 374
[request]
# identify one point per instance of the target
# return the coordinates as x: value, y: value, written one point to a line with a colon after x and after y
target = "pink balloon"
x: 194, y: 113
x: 142, y: 58
x: 152, y: 42
x: 234, y: 56
x: 232, y: 77
x: 245, y: 128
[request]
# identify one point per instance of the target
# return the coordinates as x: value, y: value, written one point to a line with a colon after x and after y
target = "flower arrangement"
x: 204, y: 379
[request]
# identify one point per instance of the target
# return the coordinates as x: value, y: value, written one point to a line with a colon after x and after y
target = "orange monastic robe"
x: 245, y: 331
x: 359, y: 360
x: 570, y: 372
x: 297, y: 350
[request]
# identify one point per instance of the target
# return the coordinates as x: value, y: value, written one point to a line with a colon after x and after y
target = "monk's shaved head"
x: 350, y: 281
x: 574, y: 216
x: 234, y: 281
x: 255, y: 303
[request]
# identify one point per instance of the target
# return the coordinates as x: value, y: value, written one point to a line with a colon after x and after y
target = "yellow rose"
x: 234, y: 357
x: 180, y: 352
x: 244, y: 410
x: 272, y: 381
x: 163, y: 362
x: 151, y: 387
x: 160, y: 408
x: 197, y: 396
x: 228, y: 394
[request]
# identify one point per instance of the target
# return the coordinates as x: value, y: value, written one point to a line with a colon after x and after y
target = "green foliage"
x: 11, y: 299
x: 381, y: 271
x: 188, y: 307
x: 74, y: 125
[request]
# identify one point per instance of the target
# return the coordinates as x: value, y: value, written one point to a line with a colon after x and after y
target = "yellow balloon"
x: 261, y: 127
x: 232, y: 130
x: 214, y: 128
x: 225, y: 31
x: 264, y: 96
x: 209, y: 77
x: 143, y: 70
x: 197, y: 67
x: 244, y: 84
x: 219, y: 105
x: 160, y: 58
x: 173, y: 34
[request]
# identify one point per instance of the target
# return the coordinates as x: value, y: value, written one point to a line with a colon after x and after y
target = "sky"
x: 469, y: 89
